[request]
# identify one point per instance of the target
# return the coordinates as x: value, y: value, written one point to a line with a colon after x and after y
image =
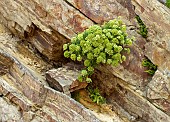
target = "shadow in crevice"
x: 5, y: 64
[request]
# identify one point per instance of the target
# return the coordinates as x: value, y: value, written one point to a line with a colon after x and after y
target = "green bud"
x: 65, y: 46
x: 73, y: 40
x: 119, y: 32
x: 120, y: 22
x: 106, y: 41
x: 128, y: 41
x: 73, y: 57
x: 87, y: 63
x: 99, y: 59
x: 105, y: 30
x: 118, y: 48
x: 96, y: 52
x: 88, y: 80
x: 114, y: 31
x: 108, y: 34
x: 116, y: 56
x: 109, y: 61
x: 104, y: 61
x: 80, y: 78
x: 115, y: 41
x: 79, y: 58
x: 109, y: 46
x: 95, y: 43
x: 80, y: 36
x: 115, y: 63
x: 115, y: 26
x: 82, y: 43
x: 66, y: 54
x: 97, y: 37
x: 90, y: 56
x: 123, y: 58
x: 72, y: 47
x: 103, y: 55
x: 104, y: 36
x: 109, y: 51
x: 84, y: 73
x: 124, y: 28
x: 127, y: 50
x: 90, y: 69
x: 77, y: 48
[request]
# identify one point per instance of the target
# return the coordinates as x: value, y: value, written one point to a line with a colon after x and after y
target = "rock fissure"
x: 79, y: 11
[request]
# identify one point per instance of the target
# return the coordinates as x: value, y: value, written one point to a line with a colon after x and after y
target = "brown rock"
x: 64, y: 79
x: 9, y: 112
x: 156, y: 17
x: 49, y: 45
x: 128, y: 99
x: 57, y: 17
x: 103, y: 11
x: 158, y: 91
x: 24, y: 86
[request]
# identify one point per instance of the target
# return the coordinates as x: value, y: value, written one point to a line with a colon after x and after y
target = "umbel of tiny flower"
x: 103, y: 44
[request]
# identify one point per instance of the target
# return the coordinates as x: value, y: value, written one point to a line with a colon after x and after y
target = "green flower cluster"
x: 99, y: 45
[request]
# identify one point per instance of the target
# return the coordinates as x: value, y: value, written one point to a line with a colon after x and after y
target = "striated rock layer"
x: 48, y: 24
x: 25, y: 95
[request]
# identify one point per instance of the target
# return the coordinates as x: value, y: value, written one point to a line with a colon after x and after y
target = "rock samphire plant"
x: 103, y: 44
x: 151, y: 68
x: 142, y: 27
x: 95, y: 96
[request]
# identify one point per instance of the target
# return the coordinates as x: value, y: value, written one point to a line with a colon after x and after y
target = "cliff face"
x: 44, y: 26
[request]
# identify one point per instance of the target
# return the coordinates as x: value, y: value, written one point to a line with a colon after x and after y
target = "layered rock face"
x: 44, y: 26
x: 24, y: 93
